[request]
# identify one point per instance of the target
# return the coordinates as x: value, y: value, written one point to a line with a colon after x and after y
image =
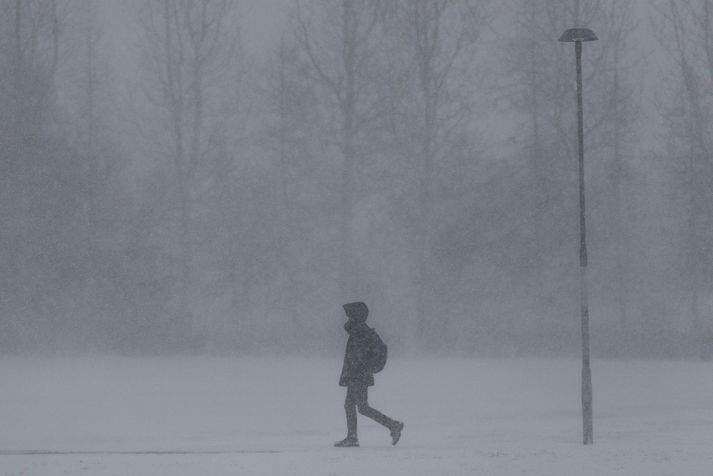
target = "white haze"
x: 105, y: 250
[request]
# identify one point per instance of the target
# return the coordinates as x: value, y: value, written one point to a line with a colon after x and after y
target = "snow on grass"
x: 279, y: 416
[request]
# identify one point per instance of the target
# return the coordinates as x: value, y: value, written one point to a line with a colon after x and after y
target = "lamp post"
x: 577, y: 36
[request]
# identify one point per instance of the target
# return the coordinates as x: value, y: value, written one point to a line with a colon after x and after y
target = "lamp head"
x: 578, y: 34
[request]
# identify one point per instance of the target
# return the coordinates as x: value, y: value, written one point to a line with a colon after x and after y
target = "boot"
x: 396, y: 432
x: 348, y: 442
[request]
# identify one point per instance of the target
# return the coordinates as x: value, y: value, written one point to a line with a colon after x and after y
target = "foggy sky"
x: 99, y: 255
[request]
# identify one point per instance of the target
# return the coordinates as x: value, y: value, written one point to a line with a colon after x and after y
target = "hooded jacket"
x: 355, y: 370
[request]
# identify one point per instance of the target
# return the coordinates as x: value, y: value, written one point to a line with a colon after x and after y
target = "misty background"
x: 220, y: 176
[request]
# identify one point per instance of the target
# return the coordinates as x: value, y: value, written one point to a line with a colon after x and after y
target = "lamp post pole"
x: 586, y: 367
x: 578, y: 35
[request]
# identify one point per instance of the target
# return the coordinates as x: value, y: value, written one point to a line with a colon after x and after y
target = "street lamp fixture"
x: 577, y: 36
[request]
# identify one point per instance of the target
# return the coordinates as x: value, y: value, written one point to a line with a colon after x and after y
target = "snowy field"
x: 280, y: 416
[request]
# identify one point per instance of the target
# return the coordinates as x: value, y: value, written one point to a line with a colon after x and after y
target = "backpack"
x: 377, y: 353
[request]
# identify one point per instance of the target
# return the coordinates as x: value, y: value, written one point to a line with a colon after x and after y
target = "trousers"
x: 358, y: 399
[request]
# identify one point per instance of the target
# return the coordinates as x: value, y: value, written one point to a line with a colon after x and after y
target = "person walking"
x: 365, y: 354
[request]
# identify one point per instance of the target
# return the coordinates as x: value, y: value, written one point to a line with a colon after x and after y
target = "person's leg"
x: 350, y: 408
x: 361, y: 397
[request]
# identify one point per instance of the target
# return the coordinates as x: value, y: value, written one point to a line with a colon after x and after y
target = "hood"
x: 356, y: 311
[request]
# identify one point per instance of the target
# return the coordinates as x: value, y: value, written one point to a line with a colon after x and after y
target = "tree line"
x: 169, y: 187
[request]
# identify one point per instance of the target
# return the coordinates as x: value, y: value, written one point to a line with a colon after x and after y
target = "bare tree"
x: 441, y: 37
x: 189, y: 47
x: 37, y: 168
x: 618, y: 107
x: 286, y: 137
x: 686, y: 34
x: 339, y: 40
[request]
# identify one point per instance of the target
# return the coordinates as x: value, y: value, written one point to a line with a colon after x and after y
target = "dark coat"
x: 355, y: 370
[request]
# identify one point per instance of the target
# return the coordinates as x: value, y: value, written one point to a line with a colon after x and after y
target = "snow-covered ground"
x: 280, y: 416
